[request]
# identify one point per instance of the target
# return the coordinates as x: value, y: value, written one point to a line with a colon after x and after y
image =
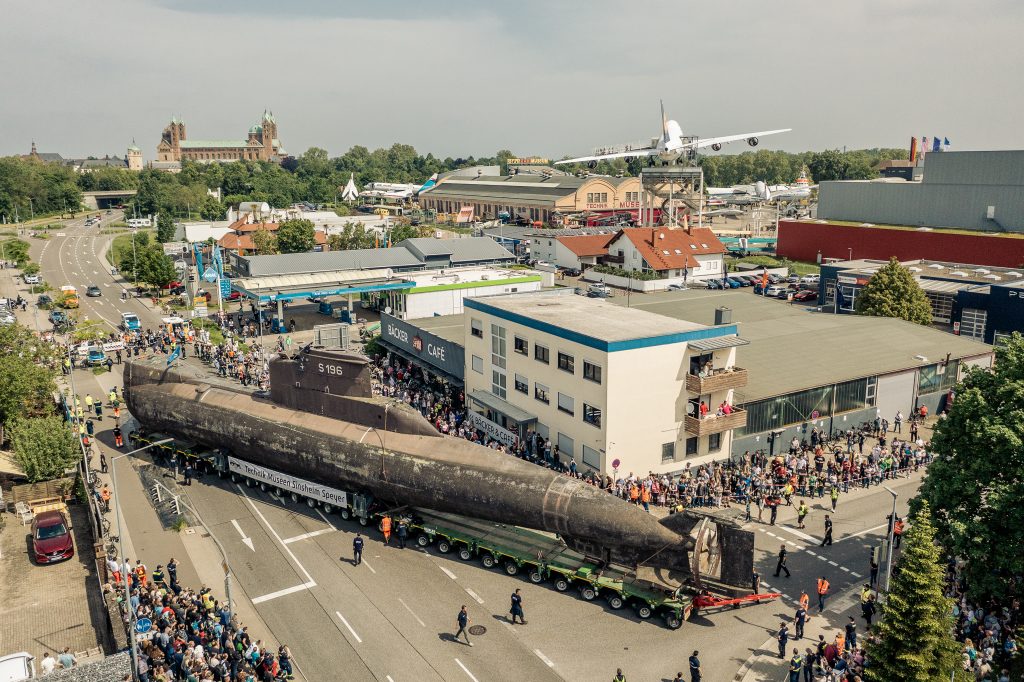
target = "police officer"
x: 755, y: 583
x: 517, y: 607
x: 695, y: 669
x: 796, y: 664
x: 799, y: 620
x: 357, y: 550
x: 158, y: 577
x: 463, y: 620
x: 781, y: 566
x: 403, y: 533
x: 783, y: 639
x: 619, y: 677
x: 828, y: 531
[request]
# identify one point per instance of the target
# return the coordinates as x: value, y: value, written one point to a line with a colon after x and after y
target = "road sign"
x: 210, y: 275
x: 200, y: 311
x: 225, y: 287
x: 143, y: 625
x: 615, y: 463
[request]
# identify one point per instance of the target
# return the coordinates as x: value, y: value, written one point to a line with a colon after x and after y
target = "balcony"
x: 712, y: 424
x: 719, y: 380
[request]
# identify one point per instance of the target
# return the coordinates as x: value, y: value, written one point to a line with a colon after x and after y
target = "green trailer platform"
x: 544, y: 558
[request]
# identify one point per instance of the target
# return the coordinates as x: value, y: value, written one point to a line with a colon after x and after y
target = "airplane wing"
x: 707, y: 142
x: 643, y: 151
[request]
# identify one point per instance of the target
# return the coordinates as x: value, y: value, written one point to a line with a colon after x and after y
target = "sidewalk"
x: 142, y: 534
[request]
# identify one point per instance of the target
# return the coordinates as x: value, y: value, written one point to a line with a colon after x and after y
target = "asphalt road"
x: 392, y: 618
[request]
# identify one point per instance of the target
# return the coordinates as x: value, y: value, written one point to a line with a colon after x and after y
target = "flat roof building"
x: 608, y: 386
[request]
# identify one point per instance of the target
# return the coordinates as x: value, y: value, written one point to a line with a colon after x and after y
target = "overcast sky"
x: 461, y: 77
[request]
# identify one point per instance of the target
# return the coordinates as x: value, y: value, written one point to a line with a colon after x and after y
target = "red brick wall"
x: 803, y: 240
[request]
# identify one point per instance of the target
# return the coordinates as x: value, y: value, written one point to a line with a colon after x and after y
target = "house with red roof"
x: 571, y: 251
x: 676, y: 254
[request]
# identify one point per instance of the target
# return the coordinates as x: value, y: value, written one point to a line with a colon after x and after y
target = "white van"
x: 140, y: 222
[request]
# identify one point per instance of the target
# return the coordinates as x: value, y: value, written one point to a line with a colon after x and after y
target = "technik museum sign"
x: 290, y: 484
x: 446, y: 356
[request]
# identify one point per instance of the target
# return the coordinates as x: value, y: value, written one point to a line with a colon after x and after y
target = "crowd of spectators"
x: 193, y: 635
x: 440, y: 403
x: 986, y: 631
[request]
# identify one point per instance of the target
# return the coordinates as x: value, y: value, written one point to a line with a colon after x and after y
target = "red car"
x: 51, y: 538
x: 805, y: 295
x: 233, y: 296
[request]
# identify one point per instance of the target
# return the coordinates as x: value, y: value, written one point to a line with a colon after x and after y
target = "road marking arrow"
x: 246, y: 540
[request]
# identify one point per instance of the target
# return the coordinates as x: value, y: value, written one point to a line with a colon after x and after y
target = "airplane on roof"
x: 759, y: 192
x: 671, y: 145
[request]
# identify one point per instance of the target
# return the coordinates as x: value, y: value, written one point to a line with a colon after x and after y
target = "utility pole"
x: 892, y: 528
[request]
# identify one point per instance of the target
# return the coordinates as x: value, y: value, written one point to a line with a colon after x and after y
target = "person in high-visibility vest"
x: 105, y: 497
x: 140, y: 572
x: 822, y: 593
x: 385, y: 526
x: 897, y: 532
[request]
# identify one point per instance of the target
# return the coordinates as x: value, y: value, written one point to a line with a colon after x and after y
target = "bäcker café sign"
x: 429, y: 348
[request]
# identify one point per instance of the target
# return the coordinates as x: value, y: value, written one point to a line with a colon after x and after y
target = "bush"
x: 30, y: 269
x: 44, y: 447
x: 639, y: 275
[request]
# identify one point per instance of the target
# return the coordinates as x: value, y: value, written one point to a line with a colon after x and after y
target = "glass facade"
x: 930, y: 380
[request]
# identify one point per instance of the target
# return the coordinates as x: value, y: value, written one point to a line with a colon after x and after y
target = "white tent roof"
x: 351, y: 192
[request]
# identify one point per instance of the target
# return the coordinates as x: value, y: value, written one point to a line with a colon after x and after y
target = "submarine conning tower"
x: 339, y: 384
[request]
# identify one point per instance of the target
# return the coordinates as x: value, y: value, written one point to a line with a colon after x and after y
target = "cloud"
x: 457, y: 78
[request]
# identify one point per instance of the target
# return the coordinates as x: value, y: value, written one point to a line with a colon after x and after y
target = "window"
x: 668, y: 452
x: 792, y: 408
x: 714, y: 442
x: 566, y: 404
x: 872, y: 389
x: 476, y: 328
x: 592, y: 415
x: 522, y: 384
x: 938, y: 377
x: 521, y: 345
x: 499, y: 384
x: 591, y: 457
x: 592, y: 372
x: 478, y: 364
x: 566, y: 446
x: 942, y: 305
x: 691, y: 446
x: 498, y: 346
x: 972, y: 323
x: 851, y: 395
x: 540, y: 392
x: 541, y: 354
x: 566, y: 363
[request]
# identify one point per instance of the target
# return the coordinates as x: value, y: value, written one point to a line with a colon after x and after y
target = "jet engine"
x: 591, y: 164
x: 717, y: 147
x: 628, y: 159
x: 752, y: 141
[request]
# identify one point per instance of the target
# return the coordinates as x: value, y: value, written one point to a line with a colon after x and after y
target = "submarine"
x: 321, y: 421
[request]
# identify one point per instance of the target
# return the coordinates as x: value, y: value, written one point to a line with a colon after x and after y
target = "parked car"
x: 599, y: 293
x: 811, y: 279
x: 57, y: 317
x: 20, y: 666
x: 44, y: 300
x: 93, y: 291
x: 571, y: 272
x: 775, y: 279
x: 733, y: 283
x: 793, y: 279
x: 233, y: 296
x: 676, y: 287
x: 751, y: 280
x: 51, y: 537
x: 96, y: 357
x: 715, y: 284
x: 178, y: 290
x: 130, y: 322
x: 32, y: 279
x: 774, y: 291
x: 805, y: 295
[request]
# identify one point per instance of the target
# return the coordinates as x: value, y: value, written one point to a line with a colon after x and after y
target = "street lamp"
x: 851, y: 253
x: 120, y: 550
x: 892, y: 528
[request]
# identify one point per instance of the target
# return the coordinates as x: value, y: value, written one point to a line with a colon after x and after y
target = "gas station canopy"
x: 319, y: 284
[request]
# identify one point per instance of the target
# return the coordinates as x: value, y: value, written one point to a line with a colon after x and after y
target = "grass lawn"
x: 123, y: 243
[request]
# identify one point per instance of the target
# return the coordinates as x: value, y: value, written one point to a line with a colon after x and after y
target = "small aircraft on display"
x: 670, y: 146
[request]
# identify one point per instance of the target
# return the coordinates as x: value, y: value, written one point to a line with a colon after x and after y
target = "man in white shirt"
x: 48, y: 663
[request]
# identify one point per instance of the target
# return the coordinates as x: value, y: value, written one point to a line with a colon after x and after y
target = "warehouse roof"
x: 468, y: 250
x: 356, y: 259
x: 448, y: 327
x: 793, y: 347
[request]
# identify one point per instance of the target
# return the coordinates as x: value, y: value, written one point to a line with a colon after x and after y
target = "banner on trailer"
x: 288, y: 483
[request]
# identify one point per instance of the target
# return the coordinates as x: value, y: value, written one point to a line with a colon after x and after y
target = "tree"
x: 893, y: 292
x: 89, y: 330
x: 399, y: 233
x: 156, y: 267
x: 43, y: 446
x: 210, y: 209
x: 976, y: 484
x: 28, y: 388
x: 165, y: 228
x: 914, y: 640
x: 296, y: 236
x: 264, y: 241
x: 352, y: 236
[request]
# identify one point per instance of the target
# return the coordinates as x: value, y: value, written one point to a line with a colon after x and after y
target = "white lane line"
x: 855, y: 574
x: 324, y: 517
x: 245, y: 538
x: 844, y: 568
x: 418, y: 620
x: 349, y: 627
x: 507, y: 625
x: 863, y: 532
x: 791, y: 543
x: 809, y: 552
x: 304, y: 536
x: 281, y: 593
x: 448, y: 573
x: 541, y: 656
x: 833, y: 563
x: 466, y: 670
x: 800, y: 534
x: 762, y: 530
x: 367, y: 564
x: 474, y: 595
x: 388, y: 678
x: 309, y: 578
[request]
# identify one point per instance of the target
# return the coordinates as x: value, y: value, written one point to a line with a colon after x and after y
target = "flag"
x: 924, y: 144
x: 945, y: 142
x: 936, y: 145
x: 913, y: 149
x: 840, y: 299
x: 175, y: 354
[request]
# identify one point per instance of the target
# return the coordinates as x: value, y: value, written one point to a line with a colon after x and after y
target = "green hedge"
x: 639, y: 275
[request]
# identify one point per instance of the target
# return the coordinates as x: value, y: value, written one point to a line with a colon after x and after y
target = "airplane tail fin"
x: 664, y: 122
